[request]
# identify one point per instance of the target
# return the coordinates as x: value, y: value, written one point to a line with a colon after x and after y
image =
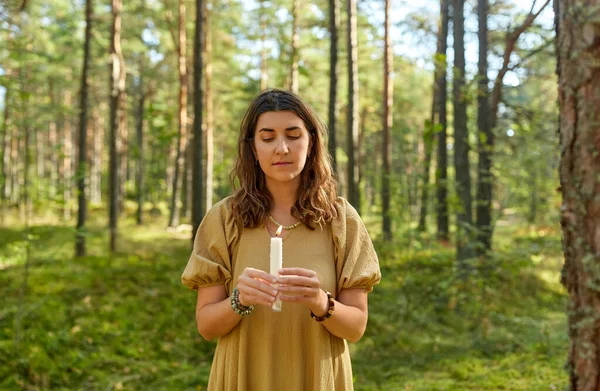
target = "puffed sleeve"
x: 211, y: 260
x: 357, y: 265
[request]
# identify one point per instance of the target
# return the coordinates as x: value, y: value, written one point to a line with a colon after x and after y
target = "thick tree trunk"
x: 197, y: 182
x: 464, y: 216
x: 209, y: 166
x: 83, y: 106
x: 182, y: 136
x: 264, y: 72
x: 442, y: 149
x: 117, y: 92
x: 352, y: 130
x: 334, y: 22
x: 294, y: 54
x: 386, y: 147
x: 578, y: 49
x: 485, y: 140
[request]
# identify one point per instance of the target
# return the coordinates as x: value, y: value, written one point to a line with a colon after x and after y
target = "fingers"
x: 297, y: 271
x: 254, y: 286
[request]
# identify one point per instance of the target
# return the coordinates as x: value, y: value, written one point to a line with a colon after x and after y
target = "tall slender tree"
x: 117, y: 95
x: 264, y: 70
x: 334, y: 23
x: 182, y: 114
x: 208, y: 77
x: 441, y: 99
x: 198, y: 202
x: 578, y: 51
x: 487, y: 119
x: 386, y: 146
x: 139, y: 129
x: 352, y: 130
x: 67, y: 151
x: 294, y: 48
x: 83, y: 107
x: 464, y: 216
x: 485, y: 136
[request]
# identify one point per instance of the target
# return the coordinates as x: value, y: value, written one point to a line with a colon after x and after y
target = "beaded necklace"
x: 288, y: 227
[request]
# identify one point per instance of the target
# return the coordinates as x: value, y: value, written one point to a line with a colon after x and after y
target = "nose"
x: 282, y: 146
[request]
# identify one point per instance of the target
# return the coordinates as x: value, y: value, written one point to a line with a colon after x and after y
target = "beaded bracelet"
x: 330, y: 309
x: 238, y: 307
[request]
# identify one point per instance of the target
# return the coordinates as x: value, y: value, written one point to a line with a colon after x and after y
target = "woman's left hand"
x: 302, y: 286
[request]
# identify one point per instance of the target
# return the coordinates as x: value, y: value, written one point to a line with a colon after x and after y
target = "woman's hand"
x: 302, y: 286
x: 255, y: 287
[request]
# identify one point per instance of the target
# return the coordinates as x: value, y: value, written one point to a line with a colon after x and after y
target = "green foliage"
x: 126, y: 322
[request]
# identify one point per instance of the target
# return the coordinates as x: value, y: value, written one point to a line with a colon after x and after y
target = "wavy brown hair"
x: 252, y: 201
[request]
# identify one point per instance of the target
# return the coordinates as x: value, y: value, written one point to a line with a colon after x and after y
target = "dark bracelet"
x: 330, y: 309
x: 238, y: 307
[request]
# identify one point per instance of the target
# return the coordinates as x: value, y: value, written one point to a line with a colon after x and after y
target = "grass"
x: 125, y: 322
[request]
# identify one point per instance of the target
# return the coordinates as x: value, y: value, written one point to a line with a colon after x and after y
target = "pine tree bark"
x: 464, y: 216
x: 182, y: 134
x: 117, y: 95
x: 80, y: 249
x: 198, y: 194
x: 578, y: 52
x: 294, y: 54
x: 388, y: 66
x: 441, y: 101
x: 352, y: 130
x: 208, y: 68
x: 334, y: 23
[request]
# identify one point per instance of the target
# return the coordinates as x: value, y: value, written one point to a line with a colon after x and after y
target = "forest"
x: 464, y: 132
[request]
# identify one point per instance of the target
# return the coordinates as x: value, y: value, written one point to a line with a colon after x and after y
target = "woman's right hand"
x: 255, y: 287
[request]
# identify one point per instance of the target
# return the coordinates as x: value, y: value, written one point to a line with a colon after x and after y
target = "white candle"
x: 276, y: 263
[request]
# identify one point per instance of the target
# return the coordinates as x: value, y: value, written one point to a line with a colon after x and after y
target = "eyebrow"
x: 286, y: 129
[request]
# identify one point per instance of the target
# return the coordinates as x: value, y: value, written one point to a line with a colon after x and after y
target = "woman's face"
x: 282, y: 144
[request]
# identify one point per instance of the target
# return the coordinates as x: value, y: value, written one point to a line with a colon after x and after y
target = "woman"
x: 329, y: 264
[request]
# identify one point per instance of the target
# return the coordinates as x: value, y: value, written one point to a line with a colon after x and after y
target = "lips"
x: 282, y: 163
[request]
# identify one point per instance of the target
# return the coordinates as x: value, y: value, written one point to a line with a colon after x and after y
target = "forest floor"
x: 125, y: 322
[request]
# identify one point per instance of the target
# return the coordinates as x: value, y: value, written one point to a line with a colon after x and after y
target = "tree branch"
x: 511, y: 40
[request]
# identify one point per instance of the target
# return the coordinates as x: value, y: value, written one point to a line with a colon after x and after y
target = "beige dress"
x: 287, y: 350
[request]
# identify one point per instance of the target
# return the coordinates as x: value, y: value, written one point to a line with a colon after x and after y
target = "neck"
x: 284, y: 198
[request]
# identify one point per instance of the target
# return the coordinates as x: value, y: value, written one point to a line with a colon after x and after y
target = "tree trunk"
x: 67, y: 152
x: 6, y: 142
x: 442, y: 155
x: 139, y: 174
x: 82, y: 166
x: 428, y: 140
x: 352, y: 131
x: 198, y: 195
x: 387, y: 124
x: 578, y: 49
x: 334, y: 22
x: 182, y: 135
x: 97, y: 150
x: 209, y: 166
x: 264, y: 72
x: 117, y: 95
x: 294, y: 54
x: 488, y: 116
x: 464, y: 216
x: 485, y: 140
